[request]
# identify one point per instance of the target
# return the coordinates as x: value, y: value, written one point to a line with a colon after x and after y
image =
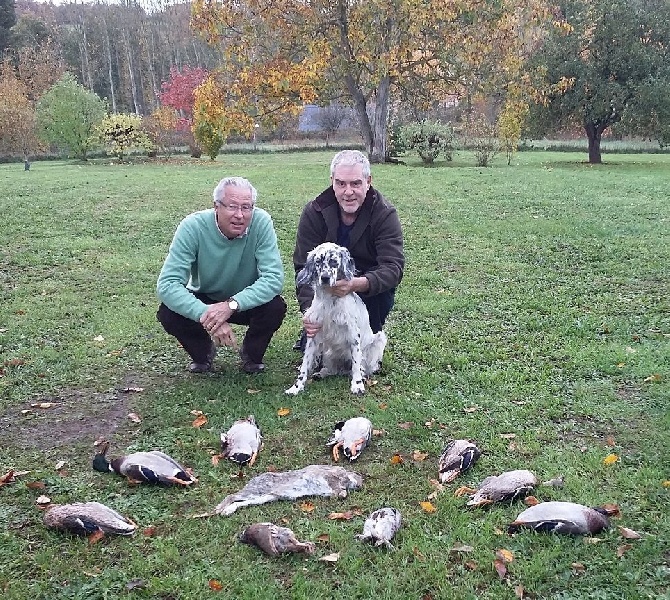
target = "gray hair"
x: 220, y: 190
x: 350, y: 158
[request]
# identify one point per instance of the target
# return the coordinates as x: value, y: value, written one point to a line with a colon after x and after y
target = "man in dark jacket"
x: 353, y: 214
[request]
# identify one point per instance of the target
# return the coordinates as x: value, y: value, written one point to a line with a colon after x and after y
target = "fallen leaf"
x: 134, y: 417
x: 508, y: 436
x: 377, y: 432
x: 250, y: 391
x: 470, y: 565
x: 383, y: 405
x: 621, y: 365
x: 59, y: 465
x: 629, y: 534
x: 195, y: 413
x: 500, y: 568
x: 334, y: 557
x: 406, y: 425
x: 610, y: 459
x: 307, y: 506
x: 341, y: 516
x: 427, y: 507
x: 666, y: 483
x: 621, y: 550
x: 397, y: 459
x: 436, y: 484
x: 610, y: 441
x: 132, y: 390
x: 8, y: 477
x: 98, y: 338
x: 215, y: 459
x: 215, y: 584
x: 26, y: 412
x: 135, y: 584
x: 419, y: 555
x: 43, y: 500
x: 199, y: 421
x: 519, y: 591
x: 498, y: 531
x: 323, y: 538
x: 578, y: 567
x: 461, y: 548
x: 419, y: 456
x: 96, y: 536
x: 654, y: 377
x: 530, y: 501
x: 592, y: 540
x: 44, y: 404
x: 36, y: 485
x: 282, y: 412
x: 507, y: 556
x: 612, y: 509
x: 149, y: 531
x: 471, y: 409
x: 430, y: 424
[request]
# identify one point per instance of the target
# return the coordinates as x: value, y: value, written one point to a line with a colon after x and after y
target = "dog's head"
x: 326, y: 264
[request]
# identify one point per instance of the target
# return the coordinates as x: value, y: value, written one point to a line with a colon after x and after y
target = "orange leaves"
x: 427, y: 507
x: 610, y: 459
x: 283, y: 412
x: 199, y: 421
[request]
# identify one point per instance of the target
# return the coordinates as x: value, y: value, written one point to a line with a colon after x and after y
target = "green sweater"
x: 202, y: 259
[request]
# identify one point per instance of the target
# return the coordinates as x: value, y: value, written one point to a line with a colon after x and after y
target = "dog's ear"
x: 307, y: 274
x: 347, y: 266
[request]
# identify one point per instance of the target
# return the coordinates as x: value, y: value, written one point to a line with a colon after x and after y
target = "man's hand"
x: 342, y: 287
x: 215, y: 322
x: 311, y: 328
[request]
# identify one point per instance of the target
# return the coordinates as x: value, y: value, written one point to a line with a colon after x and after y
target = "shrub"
x: 122, y: 133
x: 429, y: 139
x: 481, y: 137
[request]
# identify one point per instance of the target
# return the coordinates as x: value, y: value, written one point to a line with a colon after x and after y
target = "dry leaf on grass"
x: 610, y: 459
x: 59, y: 465
x: 98, y: 338
x: 43, y: 500
x: 8, y: 477
x: 471, y: 409
x: 418, y: 554
x: 629, y: 534
x: 508, y: 436
x: 378, y: 432
x: 461, y: 548
x: 149, y: 531
x: 215, y: 585
x: 519, y: 591
x: 427, y: 507
x: 500, y: 568
x: 323, y: 538
x: 592, y: 540
x: 621, y: 550
x: 341, y: 516
x: 383, y: 405
x: 44, y: 404
x: 397, y: 459
x: 283, y: 411
x: 307, y: 506
x: 578, y: 568
x: 610, y: 441
x: 134, y: 417
x: 530, y: 501
x: 406, y: 425
x: 36, y: 485
x: 471, y: 565
x: 334, y: 557
x: 651, y: 378
x: 507, y: 556
x: 252, y: 391
x: 419, y: 456
x: 199, y: 421
x: 215, y: 459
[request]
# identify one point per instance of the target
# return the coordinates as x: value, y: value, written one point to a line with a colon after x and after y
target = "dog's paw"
x: 294, y: 390
x: 357, y: 387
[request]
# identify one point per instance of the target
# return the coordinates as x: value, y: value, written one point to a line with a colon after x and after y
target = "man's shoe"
x: 196, y: 367
x: 252, y: 368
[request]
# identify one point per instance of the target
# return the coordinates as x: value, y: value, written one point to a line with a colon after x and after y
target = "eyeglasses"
x: 233, y: 208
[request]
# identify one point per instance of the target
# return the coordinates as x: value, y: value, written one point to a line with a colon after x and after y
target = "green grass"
x: 535, y: 297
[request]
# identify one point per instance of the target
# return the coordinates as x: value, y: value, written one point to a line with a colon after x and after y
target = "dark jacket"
x: 375, y: 242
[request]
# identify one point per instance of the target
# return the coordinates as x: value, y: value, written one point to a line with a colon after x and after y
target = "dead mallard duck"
x: 242, y: 442
x: 381, y: 526
x: 457, y: 456
x: 350, y: 436
x: 86, y: 518
x: 498, y: 488
x: 564, y: 517
x: 274, y: 540
x: 144, y: 467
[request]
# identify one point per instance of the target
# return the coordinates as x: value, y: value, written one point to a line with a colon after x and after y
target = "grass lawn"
x: 533, y: 318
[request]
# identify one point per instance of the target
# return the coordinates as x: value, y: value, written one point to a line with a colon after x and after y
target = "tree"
x: 289, y: 51
x: 609, y: 65
x: 212, y: 122
x: 329, y: 118
x: 7, y: 21
x: 67, y: 114
x: 122, y: 133
x: 17, y: 117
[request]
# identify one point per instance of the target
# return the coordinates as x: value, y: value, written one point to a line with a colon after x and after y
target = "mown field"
x: 533, y: 318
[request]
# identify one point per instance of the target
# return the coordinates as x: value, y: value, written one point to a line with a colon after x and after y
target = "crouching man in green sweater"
x: 223, y: 267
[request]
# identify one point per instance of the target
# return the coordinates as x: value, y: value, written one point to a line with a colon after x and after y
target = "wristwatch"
x: 233, y: 304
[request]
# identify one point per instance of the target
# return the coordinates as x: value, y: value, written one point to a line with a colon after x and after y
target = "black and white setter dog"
x: 345, y: 343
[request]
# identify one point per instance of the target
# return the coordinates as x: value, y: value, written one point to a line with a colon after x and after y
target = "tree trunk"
x: 110, y: 71
x: 594, y: 134
x: 380, y: 121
